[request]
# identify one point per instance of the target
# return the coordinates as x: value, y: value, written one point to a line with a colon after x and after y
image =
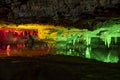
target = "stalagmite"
x: 87, y: 52
x: 115, y: 38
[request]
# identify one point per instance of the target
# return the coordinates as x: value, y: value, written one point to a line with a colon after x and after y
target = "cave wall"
x: 50, y: 9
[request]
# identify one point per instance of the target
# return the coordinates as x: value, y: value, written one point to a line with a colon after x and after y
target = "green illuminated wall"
x: 80, y: 42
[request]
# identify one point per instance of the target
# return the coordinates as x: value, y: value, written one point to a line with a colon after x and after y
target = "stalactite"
x: 88, y: 40
x: 108, y: 41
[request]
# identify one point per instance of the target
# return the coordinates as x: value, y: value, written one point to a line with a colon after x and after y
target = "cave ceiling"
x: 59, y: 12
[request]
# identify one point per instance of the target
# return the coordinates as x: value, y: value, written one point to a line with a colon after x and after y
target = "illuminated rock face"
x: 101, y: 44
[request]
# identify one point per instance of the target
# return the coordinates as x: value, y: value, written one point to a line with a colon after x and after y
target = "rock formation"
x: 67, y: 12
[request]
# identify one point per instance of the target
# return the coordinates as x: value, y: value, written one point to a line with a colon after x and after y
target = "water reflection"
x: 98, y: 54
x: 22, y: 42
x: 36, y: 50
x: 96, y: 50
x: 42, y: 48
x: 25, y: 43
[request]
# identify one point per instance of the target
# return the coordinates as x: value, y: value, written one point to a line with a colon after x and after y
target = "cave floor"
x: 56, y: 67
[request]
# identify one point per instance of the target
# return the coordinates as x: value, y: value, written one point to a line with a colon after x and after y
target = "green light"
x: 111, y: 57
x: 87, y: 53
x: 78, y: 42
x: 115, y: 39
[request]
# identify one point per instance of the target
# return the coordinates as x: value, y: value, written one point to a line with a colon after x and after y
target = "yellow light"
x: 43, y: 30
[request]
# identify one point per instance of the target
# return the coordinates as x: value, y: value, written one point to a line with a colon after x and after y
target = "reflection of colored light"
x: 111, y: 57
x: 8, y: 50
x: 63, y: 37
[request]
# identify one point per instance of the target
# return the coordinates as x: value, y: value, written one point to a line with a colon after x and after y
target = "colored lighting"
x: 78, y: 42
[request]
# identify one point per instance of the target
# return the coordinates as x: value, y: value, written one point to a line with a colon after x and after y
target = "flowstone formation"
x: 101, y: 44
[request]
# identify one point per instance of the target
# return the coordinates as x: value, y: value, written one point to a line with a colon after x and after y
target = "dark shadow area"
x: 56, y: 68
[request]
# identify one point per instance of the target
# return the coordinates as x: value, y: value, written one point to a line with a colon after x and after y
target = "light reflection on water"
x: 96, y: 50
x: 36, y: 50
x: 99, y: 54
